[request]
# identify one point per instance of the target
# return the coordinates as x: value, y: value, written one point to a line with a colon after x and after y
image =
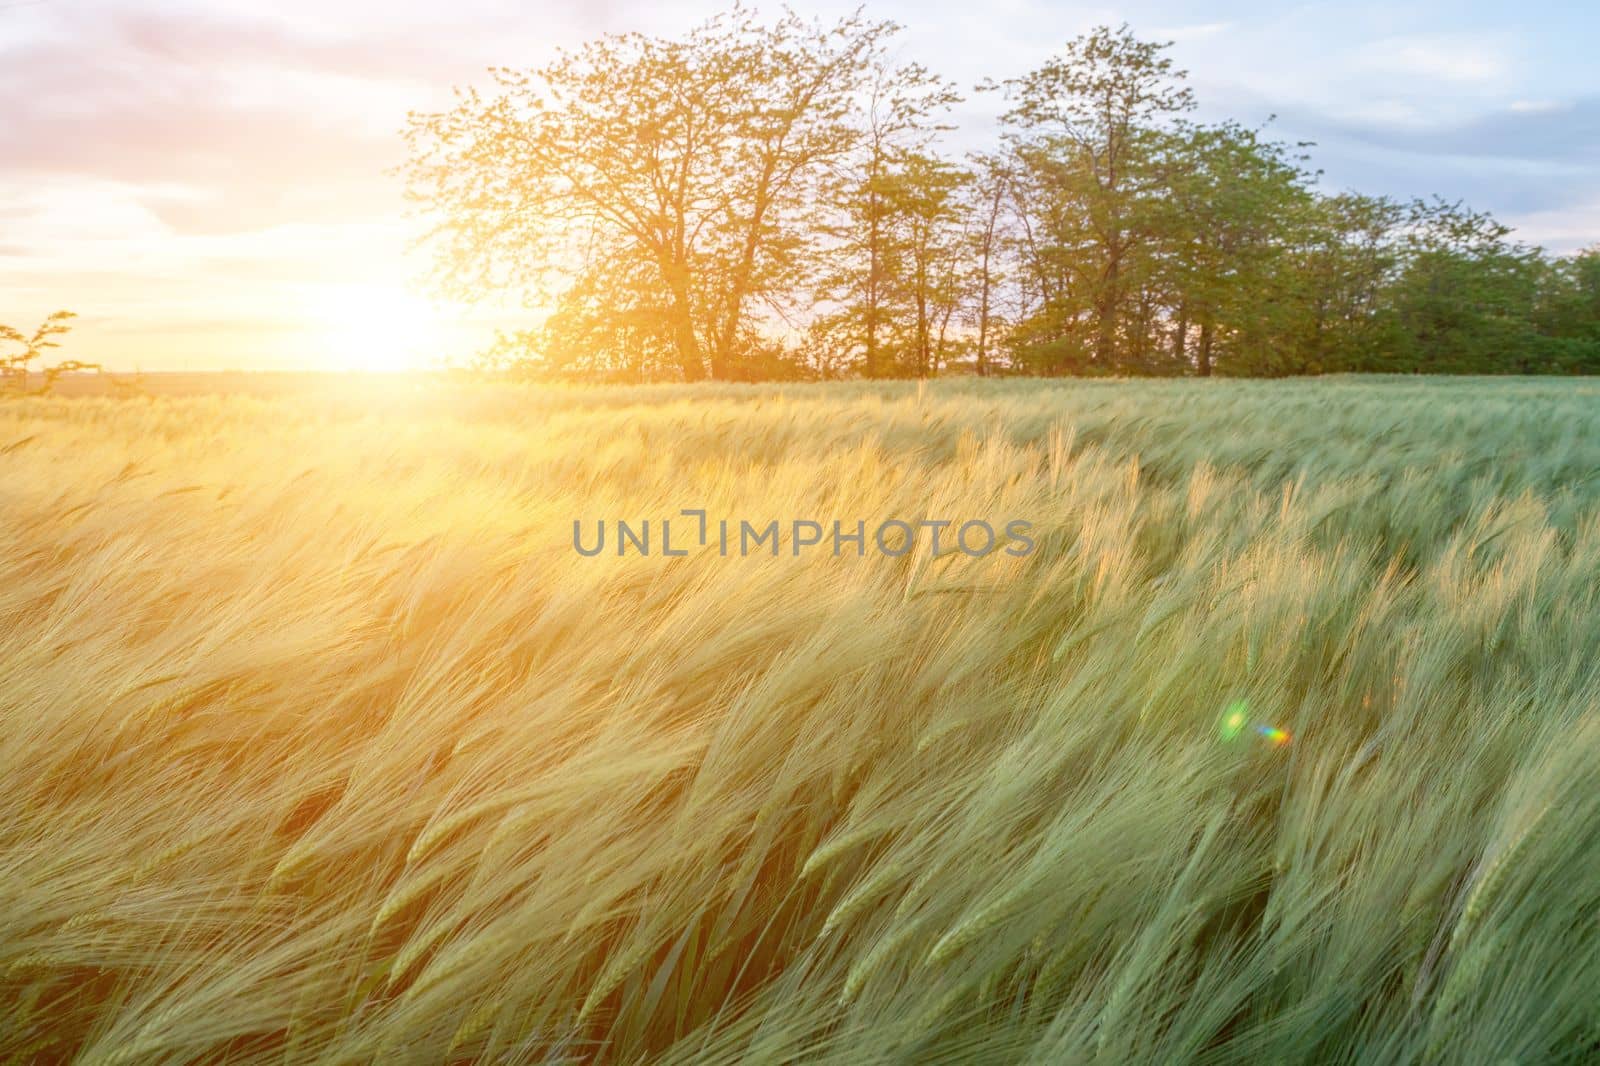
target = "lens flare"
x: 1274, y: 734
x: 1237, y: 716
x: 1234, y: 719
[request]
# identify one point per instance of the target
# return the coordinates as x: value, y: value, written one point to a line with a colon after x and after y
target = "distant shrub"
x: 17, y: 370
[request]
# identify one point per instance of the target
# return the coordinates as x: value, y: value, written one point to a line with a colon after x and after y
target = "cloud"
x: 1204, y: 31
x: 1564, y: 229
x: 193, y: 170
x: 1554, y: 136
x: 1534, y: 107
x: 1462, y: 60
x: 1524, y: 166
x: 211, y: 107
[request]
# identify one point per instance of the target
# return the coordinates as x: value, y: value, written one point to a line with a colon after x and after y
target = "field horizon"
x: 173, y: 384
x: 1280, y: 744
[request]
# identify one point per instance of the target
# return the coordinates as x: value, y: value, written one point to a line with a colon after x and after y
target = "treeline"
x: 770, y: 200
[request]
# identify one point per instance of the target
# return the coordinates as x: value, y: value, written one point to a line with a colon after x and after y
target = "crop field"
x: 321, y: 740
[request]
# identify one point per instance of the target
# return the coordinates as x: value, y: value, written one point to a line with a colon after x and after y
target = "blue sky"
x: 206, y: 183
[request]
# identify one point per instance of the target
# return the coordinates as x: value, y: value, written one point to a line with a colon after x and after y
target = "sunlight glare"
x: 376, y: 328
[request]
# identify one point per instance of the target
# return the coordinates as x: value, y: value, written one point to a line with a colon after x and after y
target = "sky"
x: 211, y: 186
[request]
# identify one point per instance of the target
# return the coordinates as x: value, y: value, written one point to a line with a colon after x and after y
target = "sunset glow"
x: 376, y: 328
x: 177, y: 173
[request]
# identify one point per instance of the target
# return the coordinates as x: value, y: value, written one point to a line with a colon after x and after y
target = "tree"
x: 1568, y: 312
x: 1464, y: 301
x: 897, y: 288
x: 687, y: 164
x: 1342, y: 267
x: 926, y: 202
x: 1225, y: 230
x: 1080, y: 126
x: 989, y: 194
x: 865, y: 204
x: 610, y: 323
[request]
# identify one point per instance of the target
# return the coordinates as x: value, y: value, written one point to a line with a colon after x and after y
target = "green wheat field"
x: 321, y: 744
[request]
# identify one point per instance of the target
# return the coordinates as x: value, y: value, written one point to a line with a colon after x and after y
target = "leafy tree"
x: 769, y: 200
x: 1342, y: 266
x: 987, y: 243
x: 1568, y: 312
x: 866, y: 206
x: 691, y: 164
x: 1237, y: 208
x: 898, y: 289
x: 926, y: 197
x: 611, y: 323
x: 1080, y: 126
x: 1464, y: 301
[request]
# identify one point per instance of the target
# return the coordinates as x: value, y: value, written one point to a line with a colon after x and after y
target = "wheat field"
x: 321, y: 743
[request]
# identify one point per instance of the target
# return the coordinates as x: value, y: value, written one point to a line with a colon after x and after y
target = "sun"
x: 375, y: 328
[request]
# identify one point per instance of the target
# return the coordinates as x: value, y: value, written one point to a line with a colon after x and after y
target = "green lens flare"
x: 1234, y: 719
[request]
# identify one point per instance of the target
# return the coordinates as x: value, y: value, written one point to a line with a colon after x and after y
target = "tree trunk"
x: 690, y: 358
x: 874, y: 238
x: 1180, y: 339
x: 1105, y: 310
x: 739, y: 284
x: 987, y: 281
x: 1203, y: 368
x: 923, y: 336
x: 983, y: 329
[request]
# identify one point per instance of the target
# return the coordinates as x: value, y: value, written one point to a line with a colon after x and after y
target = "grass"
x: 321, y: 744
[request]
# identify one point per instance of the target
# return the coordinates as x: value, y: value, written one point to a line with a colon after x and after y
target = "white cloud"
x: 1539, y: 107
x: 1203, y: 31
x: 1567, y: 229
x: 1464, y: 61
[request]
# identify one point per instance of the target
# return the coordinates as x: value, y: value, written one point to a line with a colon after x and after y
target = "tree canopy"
x: 762, y: 199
